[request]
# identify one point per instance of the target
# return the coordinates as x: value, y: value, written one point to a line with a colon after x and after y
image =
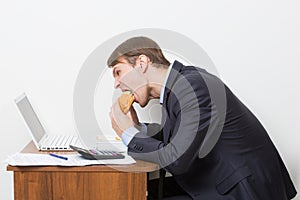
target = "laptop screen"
x: 30, y: 117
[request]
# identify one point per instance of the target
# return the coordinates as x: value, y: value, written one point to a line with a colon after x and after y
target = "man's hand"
x: 119, y: 121
x: 134, y: 118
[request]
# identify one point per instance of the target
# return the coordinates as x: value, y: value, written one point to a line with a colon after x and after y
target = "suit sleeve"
x: 188, y: 114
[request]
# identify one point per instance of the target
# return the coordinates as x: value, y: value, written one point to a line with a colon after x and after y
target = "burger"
x: 125, y: 101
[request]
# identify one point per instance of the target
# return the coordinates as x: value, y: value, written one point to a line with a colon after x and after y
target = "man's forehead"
x: 118, y: 65
x: 121, y: 62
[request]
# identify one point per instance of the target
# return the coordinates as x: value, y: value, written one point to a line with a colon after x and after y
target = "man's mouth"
x: 135, y: 97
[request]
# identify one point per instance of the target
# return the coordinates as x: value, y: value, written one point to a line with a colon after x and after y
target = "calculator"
x: 93, y: 154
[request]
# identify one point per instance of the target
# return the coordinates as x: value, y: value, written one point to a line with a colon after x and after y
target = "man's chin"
x: 143, y: 104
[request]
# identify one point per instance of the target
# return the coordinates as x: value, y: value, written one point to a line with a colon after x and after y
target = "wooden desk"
x: 83, y: 183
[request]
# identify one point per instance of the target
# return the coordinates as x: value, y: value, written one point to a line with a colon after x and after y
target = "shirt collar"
x: 162, y: 92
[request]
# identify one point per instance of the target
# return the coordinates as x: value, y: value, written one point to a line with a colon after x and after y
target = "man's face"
x: 131, y: 78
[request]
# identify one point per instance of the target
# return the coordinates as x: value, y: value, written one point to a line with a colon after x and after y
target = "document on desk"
x: 30, y: 159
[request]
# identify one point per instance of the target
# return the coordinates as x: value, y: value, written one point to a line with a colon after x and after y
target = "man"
x: 214, y: 149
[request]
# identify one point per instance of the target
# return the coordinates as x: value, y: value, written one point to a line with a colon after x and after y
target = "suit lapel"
x: 174, y: 73
x: 173, y: 76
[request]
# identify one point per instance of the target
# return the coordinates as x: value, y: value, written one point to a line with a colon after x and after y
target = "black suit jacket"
x: 243, y: 163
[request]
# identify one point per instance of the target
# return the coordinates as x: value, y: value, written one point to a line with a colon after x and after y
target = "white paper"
x: 111, y: 145
x: 30, y: 159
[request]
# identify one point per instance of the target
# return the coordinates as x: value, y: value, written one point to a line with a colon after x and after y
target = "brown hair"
x: 136, y: 46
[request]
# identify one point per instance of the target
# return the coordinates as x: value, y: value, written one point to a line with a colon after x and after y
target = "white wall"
x: 254, y: 44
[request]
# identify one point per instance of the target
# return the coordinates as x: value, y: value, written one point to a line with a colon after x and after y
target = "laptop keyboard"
x: 60, y: 142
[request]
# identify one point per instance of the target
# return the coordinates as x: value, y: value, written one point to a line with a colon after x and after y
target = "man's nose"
x: 117, y: 83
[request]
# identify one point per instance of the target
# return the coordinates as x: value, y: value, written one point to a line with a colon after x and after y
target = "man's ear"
x: 142, y: 63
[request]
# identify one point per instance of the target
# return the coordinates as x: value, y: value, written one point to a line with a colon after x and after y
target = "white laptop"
x: 41, y: 139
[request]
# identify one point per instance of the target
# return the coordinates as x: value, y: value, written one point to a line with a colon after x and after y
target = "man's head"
x: 135, y: 63
x: 132, y: 48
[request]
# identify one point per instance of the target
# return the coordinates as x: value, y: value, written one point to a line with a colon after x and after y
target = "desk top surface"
x: 139, y: 166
